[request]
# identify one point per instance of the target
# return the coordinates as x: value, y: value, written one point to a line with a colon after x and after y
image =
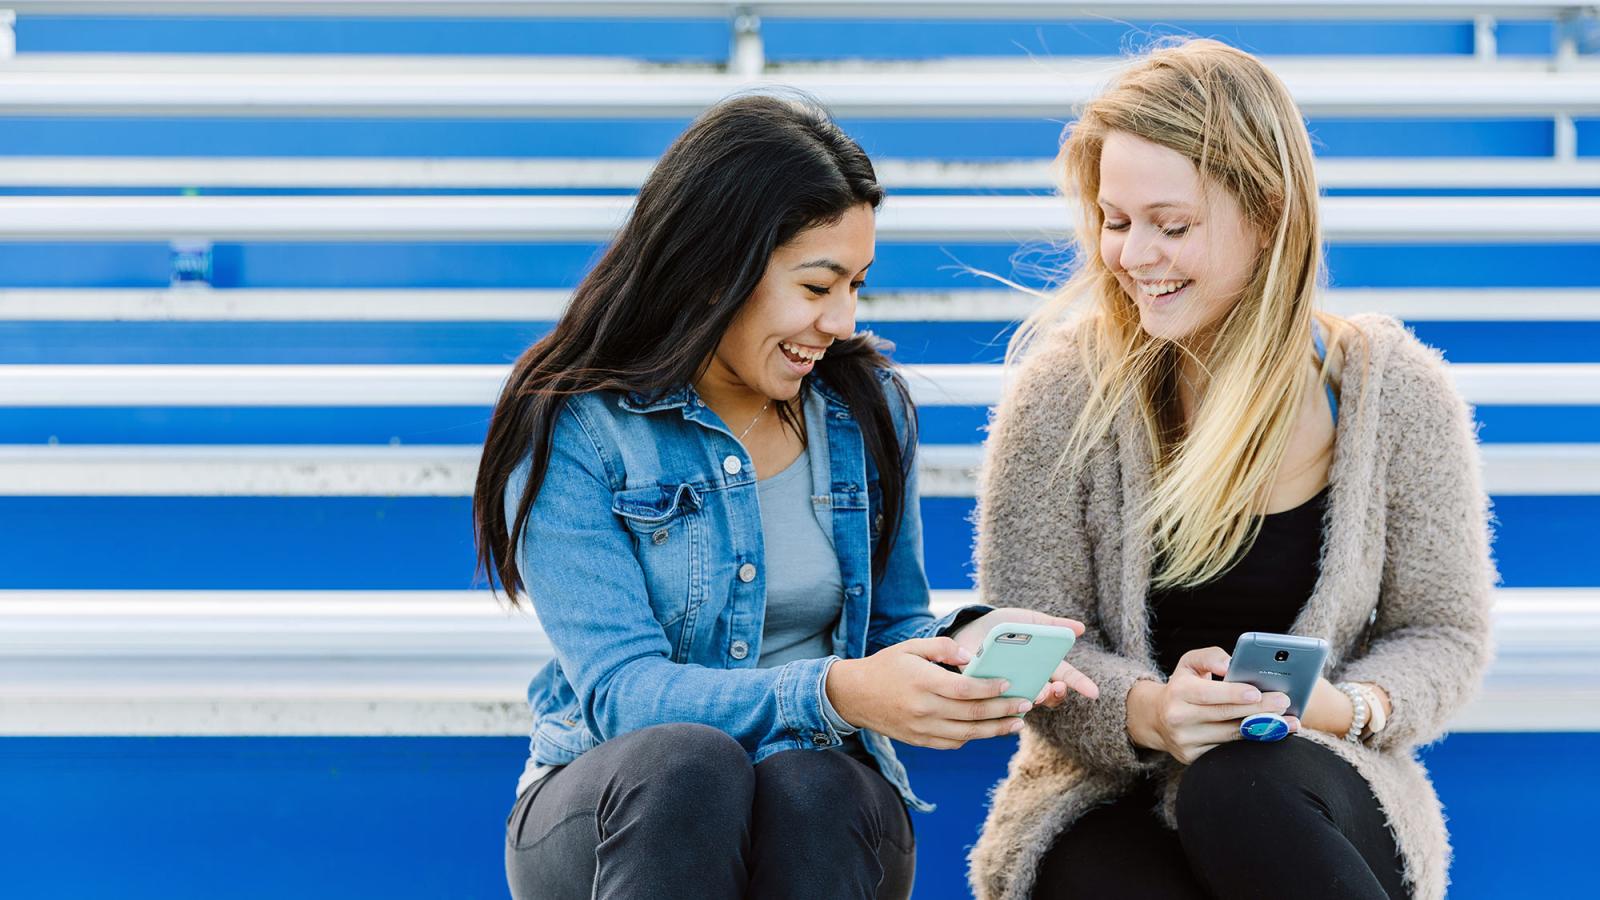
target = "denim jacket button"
x: 747, y: 573
x: 739, y: 650
x: 731, y: 465
x: 819, y: 738
x: 660, y: 537
x: 855, y: 590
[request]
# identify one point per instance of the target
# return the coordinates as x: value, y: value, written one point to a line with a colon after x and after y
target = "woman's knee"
x: 804, y: 784
x: 688, y: 743
x: 1242, y: 778
x: 695, y: 765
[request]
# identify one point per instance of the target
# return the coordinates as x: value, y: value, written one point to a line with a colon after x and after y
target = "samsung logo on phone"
x: 1269, y: 672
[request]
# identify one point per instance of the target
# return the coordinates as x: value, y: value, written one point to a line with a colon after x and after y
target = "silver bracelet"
x: 1358, y: 701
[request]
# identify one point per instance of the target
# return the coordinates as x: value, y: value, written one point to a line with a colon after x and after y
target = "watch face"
x: 1264, y: 727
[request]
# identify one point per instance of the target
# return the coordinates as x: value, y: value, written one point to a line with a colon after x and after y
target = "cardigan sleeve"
x: 1430, y: 643
x: 1034, y: 552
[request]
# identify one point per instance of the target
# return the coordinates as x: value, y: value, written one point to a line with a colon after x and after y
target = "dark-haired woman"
x: 705, y: 482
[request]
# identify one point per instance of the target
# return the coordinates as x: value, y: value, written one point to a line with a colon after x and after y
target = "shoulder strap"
x: 1322, y: 355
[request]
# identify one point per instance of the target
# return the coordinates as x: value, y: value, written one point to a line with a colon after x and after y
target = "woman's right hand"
x: 1191, y: 713
x: 901, y: 693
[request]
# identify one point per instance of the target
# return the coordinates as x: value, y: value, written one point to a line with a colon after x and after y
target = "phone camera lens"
x: 1281, y: 655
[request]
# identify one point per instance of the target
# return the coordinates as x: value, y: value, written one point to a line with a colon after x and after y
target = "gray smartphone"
x: 1279, y: 662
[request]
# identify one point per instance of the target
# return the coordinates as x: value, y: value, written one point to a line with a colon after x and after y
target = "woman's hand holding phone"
x: 901, y: 692
x: 1191, y: 713
x: 1065, y: 678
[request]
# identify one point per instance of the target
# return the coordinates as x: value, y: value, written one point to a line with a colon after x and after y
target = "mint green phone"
x: 1025, y: 655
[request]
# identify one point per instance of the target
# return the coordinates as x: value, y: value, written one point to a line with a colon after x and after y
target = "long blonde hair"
x: 1234, y: 119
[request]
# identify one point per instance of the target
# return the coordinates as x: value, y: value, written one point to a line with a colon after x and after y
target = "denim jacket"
x: 643, y: 557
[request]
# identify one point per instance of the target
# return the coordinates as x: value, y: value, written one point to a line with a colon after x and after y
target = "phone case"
x: 1256, y: 660
x: 1025, y: 655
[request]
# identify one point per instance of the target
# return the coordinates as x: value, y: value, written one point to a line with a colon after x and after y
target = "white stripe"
x: 139, y: 662
x: 324, y: 172
x: 198, y: 304
x: 1470, y: 304
x: 1005, y: 219
x: 451, y: 385
x: 840, y: 9
x: 312, y: 218
x: 449, y: 471
x: 591, y: 173
x: 450, y: 87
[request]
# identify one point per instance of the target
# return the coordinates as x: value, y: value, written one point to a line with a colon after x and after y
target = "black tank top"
x: 1263, y: 592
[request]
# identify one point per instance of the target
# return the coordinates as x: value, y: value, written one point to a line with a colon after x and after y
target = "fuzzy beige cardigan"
x: 1406, y: 534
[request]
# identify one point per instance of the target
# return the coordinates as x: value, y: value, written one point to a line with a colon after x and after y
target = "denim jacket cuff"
x: 801, y: 694
x: 952, y: 622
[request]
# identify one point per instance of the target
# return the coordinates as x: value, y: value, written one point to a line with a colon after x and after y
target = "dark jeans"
x: 679, y: 811
x: 1288, y: 819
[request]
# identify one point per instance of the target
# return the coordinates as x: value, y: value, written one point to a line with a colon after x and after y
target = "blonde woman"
x: 1188, y: 450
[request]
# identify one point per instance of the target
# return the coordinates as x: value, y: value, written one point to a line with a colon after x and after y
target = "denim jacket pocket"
x: 667, y: 526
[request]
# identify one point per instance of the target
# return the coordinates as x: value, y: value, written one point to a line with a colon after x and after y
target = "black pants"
x: 679, y: 811
x: 1288, y: 819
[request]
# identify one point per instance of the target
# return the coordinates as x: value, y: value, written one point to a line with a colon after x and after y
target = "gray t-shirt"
x: 804, y: 593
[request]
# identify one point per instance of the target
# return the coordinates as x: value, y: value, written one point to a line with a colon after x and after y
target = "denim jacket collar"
x: 637, y: 401
x: 685, y: 396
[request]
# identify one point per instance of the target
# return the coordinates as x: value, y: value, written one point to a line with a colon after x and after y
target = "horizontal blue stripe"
x: 963, y: 139
x: 421, y: 817
x: 899, y: 266
x: 657, y: 40
x: 1463, y: 265
x: 425, y: 543
x: 789, y: 40
x: 337, y: 817
x: 183, y: 136
x: 1530, y: 38
x: 1588, y: 131
x: 244, y: 425
x: 455, y: 425
x: 440, y: 343
x: 1432, y: 138
x: 1511, y: 342
x: 266, y: 342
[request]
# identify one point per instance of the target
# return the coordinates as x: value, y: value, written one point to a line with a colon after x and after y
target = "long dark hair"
x: 745, y: 178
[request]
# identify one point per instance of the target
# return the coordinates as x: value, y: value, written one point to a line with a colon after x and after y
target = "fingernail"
x: 1023, y: 707
x: 1281, y: 704
x: 1016, y: 726
x: 963, y: 656
x: 1005, y: 686
x: 1252, y: 696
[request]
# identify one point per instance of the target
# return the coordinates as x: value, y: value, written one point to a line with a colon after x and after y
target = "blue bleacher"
x: 176, y: 668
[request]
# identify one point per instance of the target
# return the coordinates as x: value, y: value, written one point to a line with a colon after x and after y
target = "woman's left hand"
x: 970, y: 636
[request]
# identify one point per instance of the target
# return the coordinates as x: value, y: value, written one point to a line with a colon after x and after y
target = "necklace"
x: 753, y: 422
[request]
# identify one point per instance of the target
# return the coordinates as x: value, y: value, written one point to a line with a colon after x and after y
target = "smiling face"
x: 1183, y: 254
x: 804, y: 302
